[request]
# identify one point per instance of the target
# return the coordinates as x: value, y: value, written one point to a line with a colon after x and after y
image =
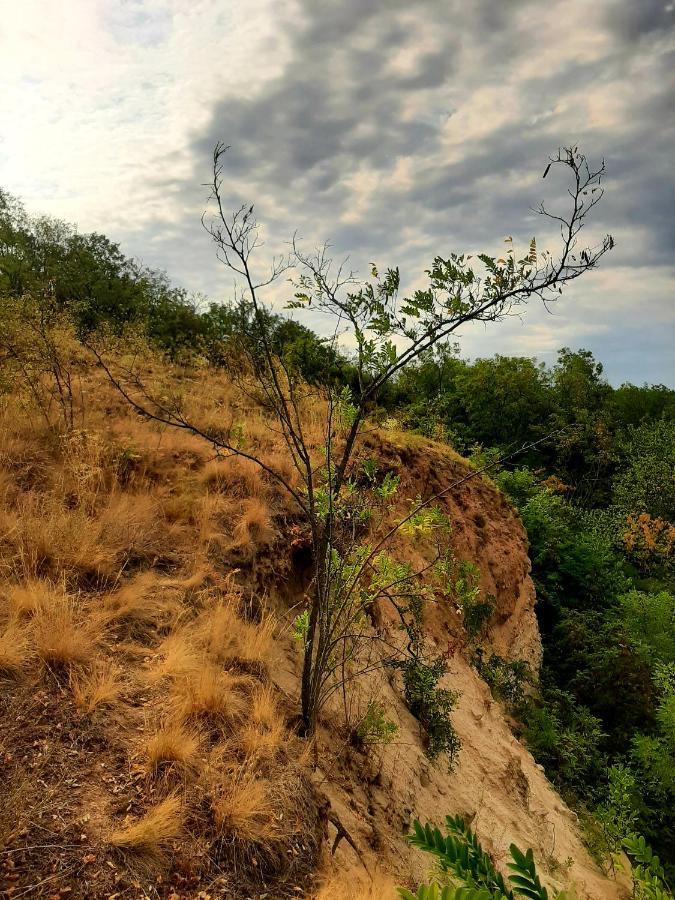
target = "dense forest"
x: 589, y: 467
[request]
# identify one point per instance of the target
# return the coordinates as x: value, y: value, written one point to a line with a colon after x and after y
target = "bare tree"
x: 36, y: 341
x: 390, y: 332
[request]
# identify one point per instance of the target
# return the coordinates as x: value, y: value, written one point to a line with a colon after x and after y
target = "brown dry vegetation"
x: 149, y: 683
x: 145, y: 750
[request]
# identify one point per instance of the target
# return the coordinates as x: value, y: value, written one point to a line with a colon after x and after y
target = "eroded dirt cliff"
x: 149, y: 680
x: 496, y: 784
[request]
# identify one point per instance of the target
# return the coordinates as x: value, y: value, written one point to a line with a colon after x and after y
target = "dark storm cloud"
x: 632, y: 20
x: 367, y: 139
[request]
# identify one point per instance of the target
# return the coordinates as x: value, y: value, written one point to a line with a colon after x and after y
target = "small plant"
x: 375, y: 727
x: 505, y: 678
x: 466, y: 872
x: 431, y: 705
x: 476, y: 613
x: 649, y: 879
x: 301, y: 626
x: 126, y: 462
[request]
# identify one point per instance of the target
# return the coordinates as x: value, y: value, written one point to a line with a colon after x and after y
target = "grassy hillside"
x: 157, y: 583
x: 149, y: 676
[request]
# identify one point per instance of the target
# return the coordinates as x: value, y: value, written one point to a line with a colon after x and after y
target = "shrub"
x: 476, y: 615
x: 505, y: 678
x: 431, y: 705
x: 375, y: 727
x: 566, y: 738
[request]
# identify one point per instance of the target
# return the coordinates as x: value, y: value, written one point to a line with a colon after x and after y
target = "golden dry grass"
x: 44, y: 537
x: 254, y: 528
x: 142, y: 603
x: 62, y: 636
x: 24, y: 598
x: 236, y: 477
x: 226, y: 636
x: 244, y: 809
x: 177, y: 658
x: 151, y: 834
x: 173, y: 744
x: 15, y: 648
x: 97, y: 688
x: 264, y: 732
x: 117, y: 571
x: 210, y: 694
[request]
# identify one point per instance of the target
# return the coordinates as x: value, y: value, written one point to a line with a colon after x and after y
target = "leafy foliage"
x: 506, y: 678
x: 649, y: 878
x: 375, y: 727
x: 431, y: 705
x: 461, y: 858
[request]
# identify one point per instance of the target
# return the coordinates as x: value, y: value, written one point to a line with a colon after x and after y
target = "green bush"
x: 466, y: 872
x: 431, y: 705
x: 505, y: 678
x: 375, y: 727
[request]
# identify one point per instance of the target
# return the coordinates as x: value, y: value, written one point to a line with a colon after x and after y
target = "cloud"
x: 395, y: 131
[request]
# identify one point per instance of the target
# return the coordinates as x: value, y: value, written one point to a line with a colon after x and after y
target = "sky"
x: 396, y: 131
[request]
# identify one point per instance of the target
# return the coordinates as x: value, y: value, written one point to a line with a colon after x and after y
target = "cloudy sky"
x: 395, y: 130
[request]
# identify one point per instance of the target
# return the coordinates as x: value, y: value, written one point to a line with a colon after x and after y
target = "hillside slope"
x: 150, y: 681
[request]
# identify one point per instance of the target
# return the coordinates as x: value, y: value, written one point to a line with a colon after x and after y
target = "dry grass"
x: 62, y: 637
x: 254, y: 528
x: 244, y: 809
x: 114, y: 574
x: 264, y: 733
x: 177, y: 658
x: 46, y: 538
x: 14, y: 649
x: 144, y: 604
x: 212, y: 695
x: 24, y: 598
x: 229, y: 638
x: 173, y: 744
x: 98, y: 688
x: 151, y: 834
x: 236, y: 477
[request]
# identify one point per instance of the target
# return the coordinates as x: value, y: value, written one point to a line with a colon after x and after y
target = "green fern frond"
x: 460, y: 852
x: 524, y: 879
x: 641, y: 852
x: 434, y: 892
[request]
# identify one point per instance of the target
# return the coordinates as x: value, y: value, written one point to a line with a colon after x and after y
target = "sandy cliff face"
x: 485, y: 530
x: 497, y: 785
x: 158, y: 566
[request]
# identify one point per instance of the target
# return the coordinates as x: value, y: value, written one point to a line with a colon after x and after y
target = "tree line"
x: 597, y: 498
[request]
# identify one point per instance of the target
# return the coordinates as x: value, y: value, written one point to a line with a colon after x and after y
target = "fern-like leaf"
x: 641, y: 852
x: 461, y: 854
x: 524, y: 876
x: 433, y: 892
